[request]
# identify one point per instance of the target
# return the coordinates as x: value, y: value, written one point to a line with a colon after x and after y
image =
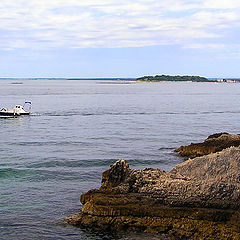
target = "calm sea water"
x: 78, y: 128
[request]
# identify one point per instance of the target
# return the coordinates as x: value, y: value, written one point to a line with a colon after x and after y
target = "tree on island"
x: 177, y: 78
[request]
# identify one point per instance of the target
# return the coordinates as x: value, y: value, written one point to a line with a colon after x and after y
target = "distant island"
x: 168, y: 78
x: 128, y: 80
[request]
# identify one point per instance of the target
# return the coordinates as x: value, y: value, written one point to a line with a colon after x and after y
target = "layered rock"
x: 198, y: 199
x: 214, y: 143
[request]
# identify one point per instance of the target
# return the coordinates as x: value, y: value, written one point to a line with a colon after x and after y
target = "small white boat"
x: 18, y: 110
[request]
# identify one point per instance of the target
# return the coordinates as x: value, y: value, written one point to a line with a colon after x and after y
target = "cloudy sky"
x: 112, y: 38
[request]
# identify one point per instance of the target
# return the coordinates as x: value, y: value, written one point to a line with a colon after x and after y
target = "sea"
x: 78, y: 128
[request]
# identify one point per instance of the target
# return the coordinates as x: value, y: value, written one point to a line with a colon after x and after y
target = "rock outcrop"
x: 214, y: 143
x: 198, y: 199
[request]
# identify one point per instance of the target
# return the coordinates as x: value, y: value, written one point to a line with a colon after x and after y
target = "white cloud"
x: 221, y: 4
x: 112, y: 23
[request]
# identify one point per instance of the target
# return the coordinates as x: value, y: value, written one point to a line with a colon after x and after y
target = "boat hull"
x: 7, y: 114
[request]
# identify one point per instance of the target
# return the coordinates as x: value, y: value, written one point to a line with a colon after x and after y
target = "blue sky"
x: 110, y: 38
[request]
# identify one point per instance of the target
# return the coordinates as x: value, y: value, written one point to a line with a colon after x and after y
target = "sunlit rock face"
x: 198, y: 199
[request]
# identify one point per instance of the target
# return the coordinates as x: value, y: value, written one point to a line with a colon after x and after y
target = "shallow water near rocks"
x: 78, y: 128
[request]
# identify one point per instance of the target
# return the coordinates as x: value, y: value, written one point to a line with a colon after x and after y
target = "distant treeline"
x: 174, y: 78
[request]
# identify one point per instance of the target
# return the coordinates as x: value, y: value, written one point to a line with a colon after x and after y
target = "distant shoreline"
x: 110, y: 79
x: 131, y: 80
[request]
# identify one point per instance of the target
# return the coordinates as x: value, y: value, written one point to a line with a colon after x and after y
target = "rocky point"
x: 214, y: 143
x: 198, y: 199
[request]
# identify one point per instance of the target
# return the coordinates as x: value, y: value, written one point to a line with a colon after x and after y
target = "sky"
x: 112, y: 38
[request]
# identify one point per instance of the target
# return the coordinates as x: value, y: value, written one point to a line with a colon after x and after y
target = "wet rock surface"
x: 198, y: 199
x: 214, y: 143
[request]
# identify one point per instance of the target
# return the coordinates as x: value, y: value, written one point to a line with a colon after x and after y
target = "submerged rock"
x: 214, y: 143
x: 198, y: 199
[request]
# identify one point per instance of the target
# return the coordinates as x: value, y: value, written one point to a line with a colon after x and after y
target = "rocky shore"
x: 198, y: 199
x: 214, y: 143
